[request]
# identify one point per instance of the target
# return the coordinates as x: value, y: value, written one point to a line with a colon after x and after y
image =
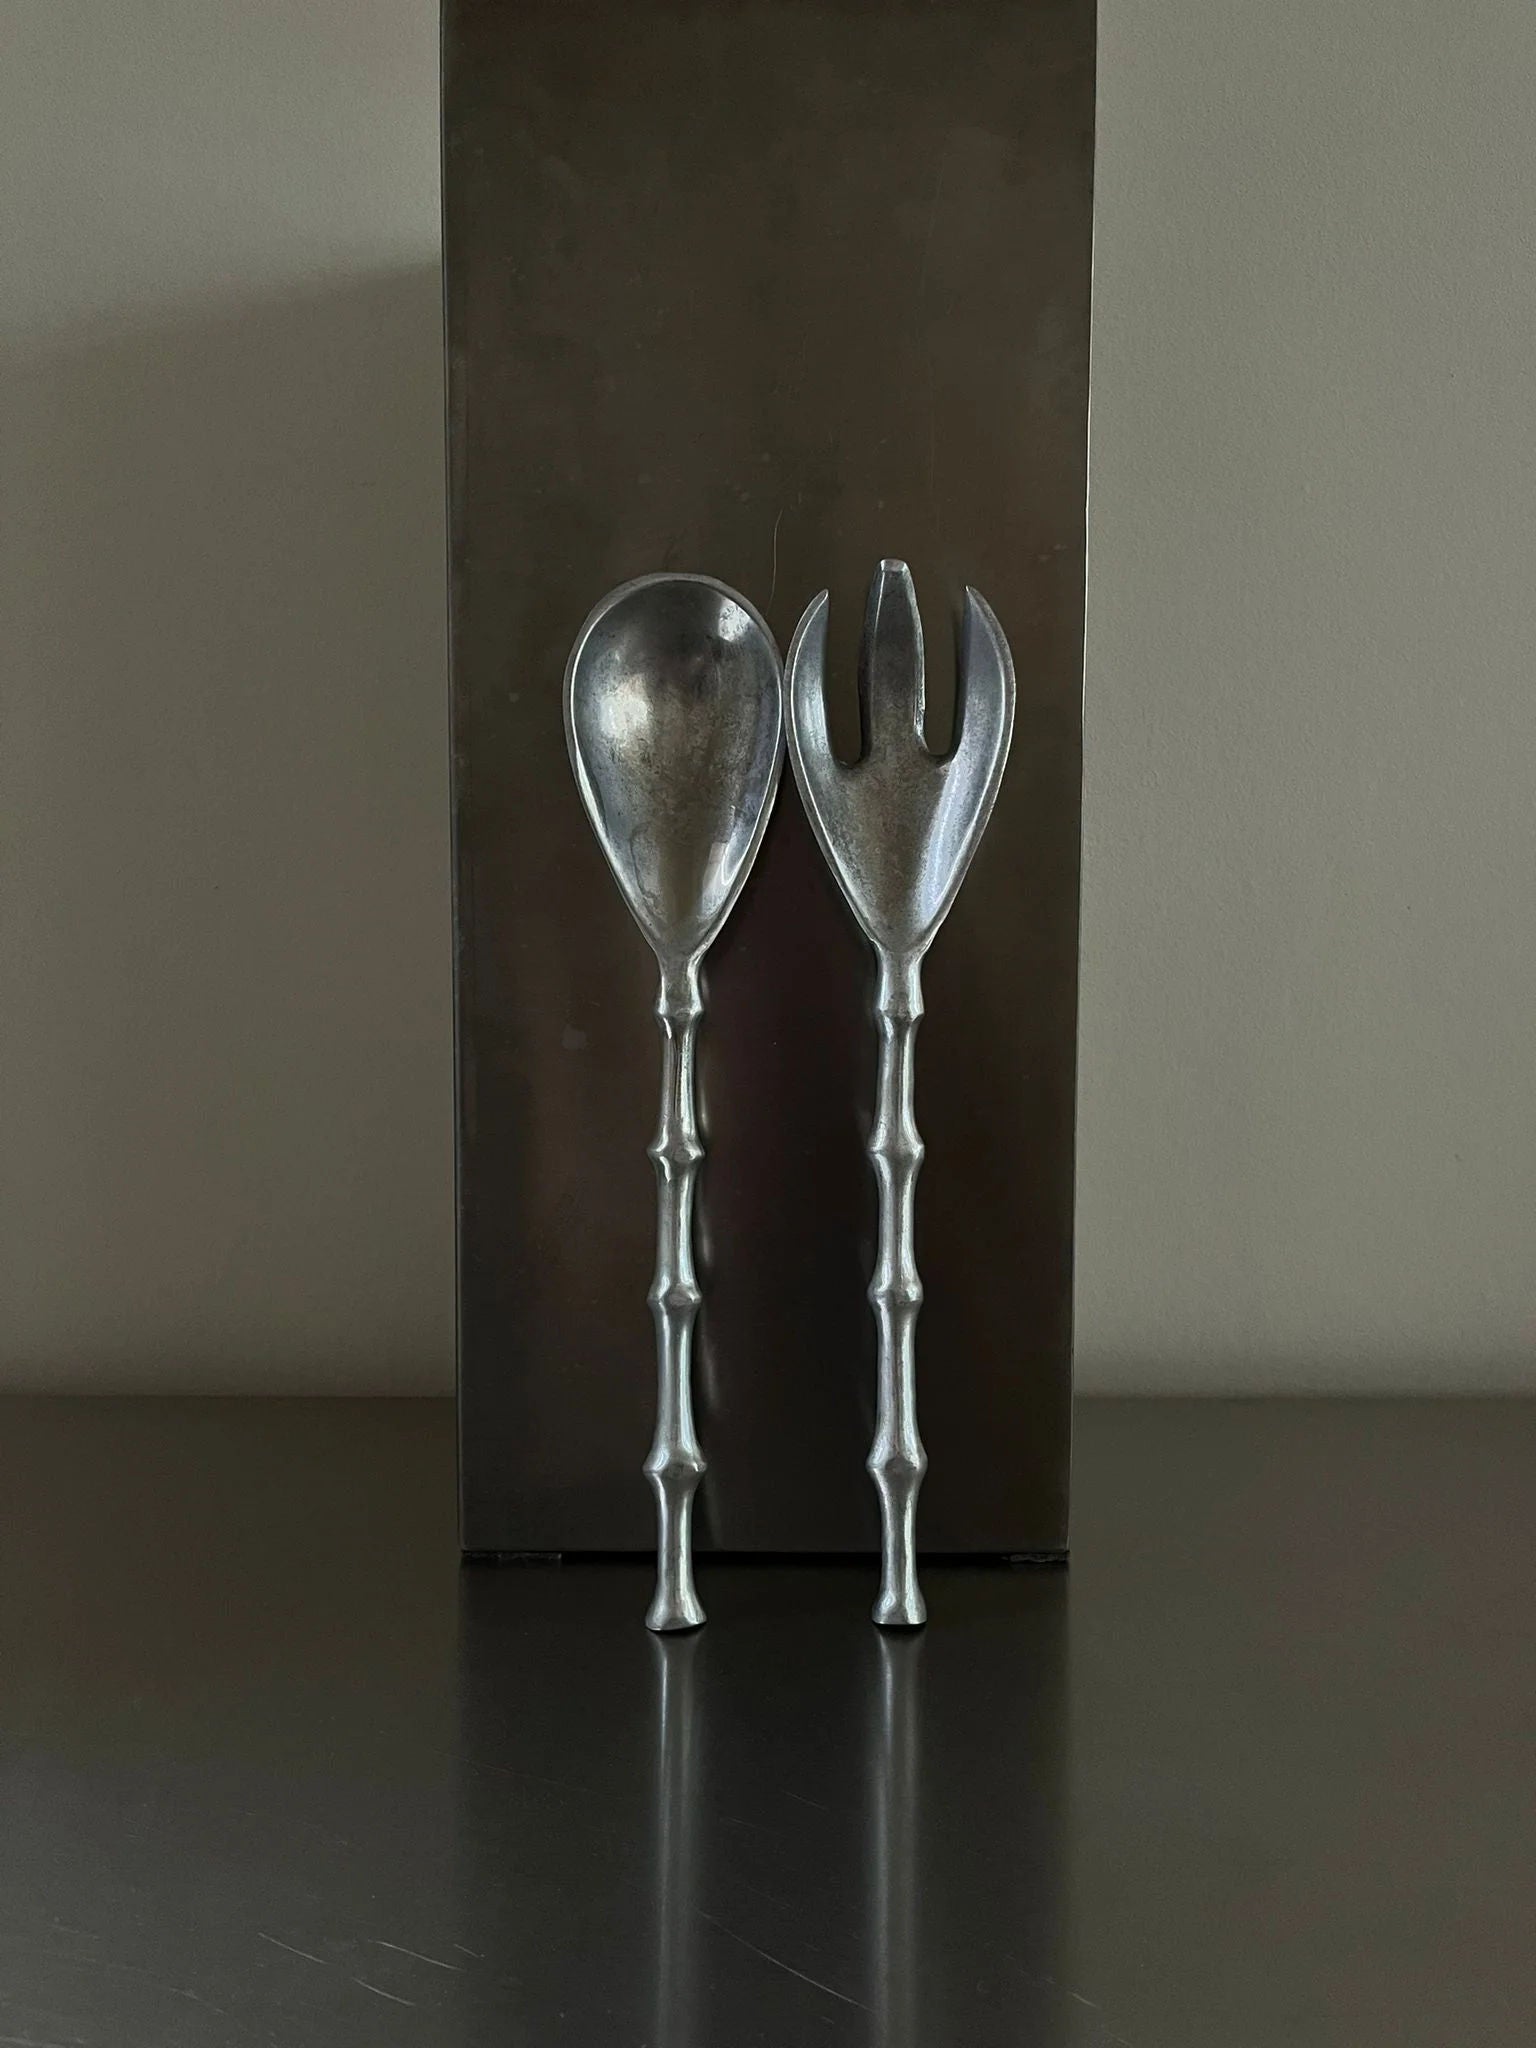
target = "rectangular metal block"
x: 770, y: 291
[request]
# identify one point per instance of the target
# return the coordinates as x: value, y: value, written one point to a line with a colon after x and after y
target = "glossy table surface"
x: 1260, y: 1768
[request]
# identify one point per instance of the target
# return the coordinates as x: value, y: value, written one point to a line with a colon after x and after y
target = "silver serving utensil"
x: 898, y: 828
x: 674, y: 717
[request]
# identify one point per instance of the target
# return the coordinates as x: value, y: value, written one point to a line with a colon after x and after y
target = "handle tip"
x: 672, y: 1613
x: 900, y: 1610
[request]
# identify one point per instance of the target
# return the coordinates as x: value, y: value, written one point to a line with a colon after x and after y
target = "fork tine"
x: 984, y: 691
x: 891, y: 662
x: 805, y: 671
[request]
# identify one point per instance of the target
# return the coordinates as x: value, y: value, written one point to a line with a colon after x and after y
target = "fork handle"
x: 675, y: 1464
x: 897, y: 1460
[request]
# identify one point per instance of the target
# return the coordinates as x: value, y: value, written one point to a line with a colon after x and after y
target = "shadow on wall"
x: 225, y: 1033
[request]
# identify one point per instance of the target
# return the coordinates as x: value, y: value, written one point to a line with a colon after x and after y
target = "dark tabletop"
x: 1259, y: 1768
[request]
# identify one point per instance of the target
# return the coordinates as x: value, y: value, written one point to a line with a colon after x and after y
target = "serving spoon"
x: 675, y: 721
x: 898, y: 828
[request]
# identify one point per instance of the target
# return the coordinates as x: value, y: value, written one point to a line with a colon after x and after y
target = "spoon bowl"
x: 674, y: 720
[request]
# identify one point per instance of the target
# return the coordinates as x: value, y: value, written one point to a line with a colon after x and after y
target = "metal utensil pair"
x: 675, y: 708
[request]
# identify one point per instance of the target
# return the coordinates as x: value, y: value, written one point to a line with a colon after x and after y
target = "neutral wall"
x: 1308, y: 1106
x: 225, y: 1058
x: 1309, y: 1063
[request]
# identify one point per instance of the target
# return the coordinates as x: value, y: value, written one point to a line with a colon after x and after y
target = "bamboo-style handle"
x: 675, y: 1465
x: 897, y: 1461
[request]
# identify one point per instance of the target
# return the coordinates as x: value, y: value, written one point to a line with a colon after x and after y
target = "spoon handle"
x: 675, y: 1465
x: 897, y: 1460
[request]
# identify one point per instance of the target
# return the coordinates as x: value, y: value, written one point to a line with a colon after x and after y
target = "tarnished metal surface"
x: 898, y: 827
x: 674, y: 718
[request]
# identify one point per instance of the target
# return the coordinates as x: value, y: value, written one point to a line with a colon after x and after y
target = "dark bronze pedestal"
x: 770, y: 291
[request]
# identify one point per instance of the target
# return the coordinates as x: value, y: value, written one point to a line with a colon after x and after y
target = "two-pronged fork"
x: 898, y: 828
